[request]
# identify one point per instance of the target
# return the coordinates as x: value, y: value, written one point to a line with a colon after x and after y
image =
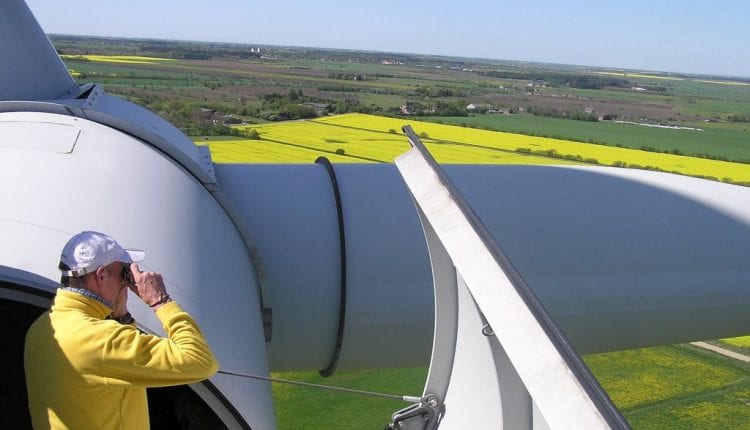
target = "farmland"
x: 728, y: 142
x: 123, y: 59
x: 344, y: 139
x: 355, y: 104
x: 675, y: 387
x: 234, y: 78
x: 367, y: 138
x: 669, y: 387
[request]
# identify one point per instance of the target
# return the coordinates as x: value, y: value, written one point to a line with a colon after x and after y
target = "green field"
x: 731, y: 143
x: 669, y: 387
x: 676, y: 387
x: 313, y: 408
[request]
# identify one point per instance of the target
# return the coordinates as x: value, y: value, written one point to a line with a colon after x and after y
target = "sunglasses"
x: 127, y: 275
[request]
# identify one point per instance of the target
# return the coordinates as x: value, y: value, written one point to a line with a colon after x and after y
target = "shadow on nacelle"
x: 621, y: 258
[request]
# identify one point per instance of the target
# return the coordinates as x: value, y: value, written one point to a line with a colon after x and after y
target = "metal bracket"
x: 425, y: 415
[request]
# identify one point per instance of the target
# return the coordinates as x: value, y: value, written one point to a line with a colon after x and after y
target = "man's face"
x: 112, y: 280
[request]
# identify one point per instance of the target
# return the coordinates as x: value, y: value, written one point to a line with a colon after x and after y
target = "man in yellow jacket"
x: 87, y: 365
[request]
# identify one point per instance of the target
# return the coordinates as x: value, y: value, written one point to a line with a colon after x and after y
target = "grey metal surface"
x: 291, y: 211
x: 390, y: 307
x: 31, y: 69
x: 621, y: 258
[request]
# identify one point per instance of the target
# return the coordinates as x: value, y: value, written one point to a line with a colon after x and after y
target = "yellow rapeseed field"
x: 124, y: 59
x: 304, y: 141
x: 640, y: 75
x: 367, y: 138
x: 261, y: 151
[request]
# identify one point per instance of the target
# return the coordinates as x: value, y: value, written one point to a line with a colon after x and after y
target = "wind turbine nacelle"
x: 325, y: 267
x: 620, y: 258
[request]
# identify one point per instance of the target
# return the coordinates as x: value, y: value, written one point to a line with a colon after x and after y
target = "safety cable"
x: 408, y: 399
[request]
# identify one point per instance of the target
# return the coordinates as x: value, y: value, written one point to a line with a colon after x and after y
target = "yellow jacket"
x: 87, y: 372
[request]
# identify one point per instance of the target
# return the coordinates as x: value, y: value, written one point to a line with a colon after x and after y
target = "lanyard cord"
x: 408, y: 399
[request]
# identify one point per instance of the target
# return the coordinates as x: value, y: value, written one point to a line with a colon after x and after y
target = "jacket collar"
x: 84, y: 300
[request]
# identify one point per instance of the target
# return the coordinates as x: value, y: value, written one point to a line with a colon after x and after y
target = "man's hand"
x: 149, y: 286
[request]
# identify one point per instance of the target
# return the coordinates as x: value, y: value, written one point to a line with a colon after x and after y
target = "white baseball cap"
x: 88, y: 250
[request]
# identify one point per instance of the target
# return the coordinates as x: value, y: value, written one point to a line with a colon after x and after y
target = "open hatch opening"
x: 178, y: 407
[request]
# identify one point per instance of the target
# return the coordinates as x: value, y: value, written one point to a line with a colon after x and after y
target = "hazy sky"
x: 709, y: 37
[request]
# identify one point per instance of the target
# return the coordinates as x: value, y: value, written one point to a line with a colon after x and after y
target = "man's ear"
x: 101, y: 271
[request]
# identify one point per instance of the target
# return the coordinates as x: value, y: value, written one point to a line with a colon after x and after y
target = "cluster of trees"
x: 342, y: 88
x: 171, y: 51
x: 348, y: 104
x: 287, y: 107
x: 358, y: 89
x: 279, y: 107
x: 210, y: 129
x: 349, y: 76
x: 440, y: 108
x: 456, y: 108
x: 655, y: 88
x: 425, y: 91
x: 554, y: 154
x: 193, y: 119
x: 78, y: 45
x: 739, y: 118
x: 191, y: 116
x: 592, y: 82
x: 555, y: 113
x: 561, y: 79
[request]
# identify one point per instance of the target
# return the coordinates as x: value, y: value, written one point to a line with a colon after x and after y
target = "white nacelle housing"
x: 63, y: 174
